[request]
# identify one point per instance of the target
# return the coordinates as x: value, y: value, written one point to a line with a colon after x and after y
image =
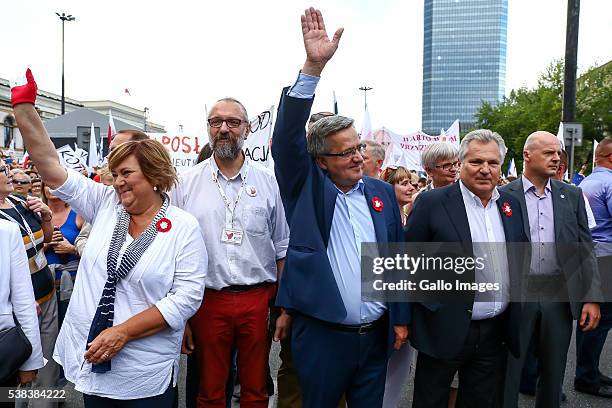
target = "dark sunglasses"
x: 6, y: 170
x: 21, y: 182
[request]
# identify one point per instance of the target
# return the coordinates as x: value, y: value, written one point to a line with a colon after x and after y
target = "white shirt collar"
x: 468, y: 196
x: 215, y: 169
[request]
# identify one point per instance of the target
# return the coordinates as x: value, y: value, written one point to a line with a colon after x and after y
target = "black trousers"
x: 481, y: 365
x: 168, y: 399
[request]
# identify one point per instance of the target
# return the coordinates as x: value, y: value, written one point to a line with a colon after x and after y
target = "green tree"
x: 527, y: 110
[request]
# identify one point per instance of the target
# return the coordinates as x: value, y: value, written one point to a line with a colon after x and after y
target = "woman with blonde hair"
x: 405, y: 184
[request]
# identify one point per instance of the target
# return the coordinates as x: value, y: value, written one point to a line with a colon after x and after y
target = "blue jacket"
x: 308, y: 285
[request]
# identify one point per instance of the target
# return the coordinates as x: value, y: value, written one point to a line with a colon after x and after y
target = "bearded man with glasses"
x: 238, y: 206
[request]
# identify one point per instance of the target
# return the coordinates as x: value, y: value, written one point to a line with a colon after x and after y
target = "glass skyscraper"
x: 464, y: 60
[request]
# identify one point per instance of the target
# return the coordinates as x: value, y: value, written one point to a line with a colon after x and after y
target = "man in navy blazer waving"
x: 340, y: 343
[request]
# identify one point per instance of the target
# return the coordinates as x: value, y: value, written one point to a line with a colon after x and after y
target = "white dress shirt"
x: 259, y: 214
x: 16, y: 293
x: 169, y: 275
x: 486, y: 228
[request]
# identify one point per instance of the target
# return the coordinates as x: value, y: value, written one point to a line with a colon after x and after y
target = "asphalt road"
x: 574, y: 399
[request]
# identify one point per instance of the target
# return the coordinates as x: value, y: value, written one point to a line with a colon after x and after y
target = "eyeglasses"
x: 360, y: 148
x: 6, y: 170
x: 21, y: 182
x: 448, y: 166
x: 232, y: 123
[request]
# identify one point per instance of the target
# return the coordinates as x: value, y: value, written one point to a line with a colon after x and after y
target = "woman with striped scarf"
x: 141, y: 275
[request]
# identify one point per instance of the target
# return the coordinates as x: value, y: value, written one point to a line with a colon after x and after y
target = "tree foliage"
x: 524, y: 110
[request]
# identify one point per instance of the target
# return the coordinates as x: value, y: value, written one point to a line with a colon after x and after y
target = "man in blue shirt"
x: 340, y: 343
x: 597, y: 187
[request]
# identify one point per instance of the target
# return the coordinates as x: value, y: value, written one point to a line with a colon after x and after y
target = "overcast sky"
x: 178, y: 56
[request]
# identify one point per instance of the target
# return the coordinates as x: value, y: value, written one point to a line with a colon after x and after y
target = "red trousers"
x: 224, y: 321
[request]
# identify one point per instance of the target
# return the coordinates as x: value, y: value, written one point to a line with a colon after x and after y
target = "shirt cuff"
x: 304, y: 87
x: 171, y: 313
x: 68, y: 189
x: 281, y: 248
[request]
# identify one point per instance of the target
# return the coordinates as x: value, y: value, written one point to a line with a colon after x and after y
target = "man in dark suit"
x: 340, y: 343
x: 561, y: 269
x: 471, y: 337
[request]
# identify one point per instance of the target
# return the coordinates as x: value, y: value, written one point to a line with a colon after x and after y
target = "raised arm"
x: 289, y: 150
x: 35, y: 137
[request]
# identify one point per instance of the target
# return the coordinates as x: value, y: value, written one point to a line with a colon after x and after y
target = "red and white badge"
x: 163, y: 225
x: 377, y: 204
x: 507, y: 210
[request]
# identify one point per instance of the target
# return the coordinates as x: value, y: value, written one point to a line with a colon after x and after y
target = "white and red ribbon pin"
x: 507, y: 210
x: 163, y: 225
x: 377, y: 204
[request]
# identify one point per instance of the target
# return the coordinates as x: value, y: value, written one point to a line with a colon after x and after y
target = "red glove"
x: 24, y: 93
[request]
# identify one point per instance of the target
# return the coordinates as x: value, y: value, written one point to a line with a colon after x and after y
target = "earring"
x: 155, y: 188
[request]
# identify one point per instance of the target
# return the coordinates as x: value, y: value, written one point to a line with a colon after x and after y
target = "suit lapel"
x: 516, y: 189
x: 560, y: 206
x: 457, y: 213
x: 509, y: 231
x: 378, y: 218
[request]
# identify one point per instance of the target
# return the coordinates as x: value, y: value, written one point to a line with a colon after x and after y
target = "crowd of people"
x: 132, y: 269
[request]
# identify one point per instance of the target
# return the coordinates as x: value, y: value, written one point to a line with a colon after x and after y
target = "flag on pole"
x: 366, y: 128
x: 512, y: 169
x: 111, y: 128
x: 335, y: 103
x: 26, y: 159
x: 92, y: 157
x: 127, y: 91
x: 594, y: 148
x: 560, y: 135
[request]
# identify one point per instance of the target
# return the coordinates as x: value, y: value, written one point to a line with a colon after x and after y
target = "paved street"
x: 574, y: 399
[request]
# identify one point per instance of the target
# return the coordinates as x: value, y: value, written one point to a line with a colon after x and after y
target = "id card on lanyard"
x: 39, y: 258
x: 229, y: 234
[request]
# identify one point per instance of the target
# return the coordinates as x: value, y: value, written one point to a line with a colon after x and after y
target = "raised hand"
x: 319, y: 48
x: 24, y: 93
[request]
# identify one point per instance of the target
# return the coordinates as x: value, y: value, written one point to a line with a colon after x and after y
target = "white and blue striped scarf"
x: 105, y: 312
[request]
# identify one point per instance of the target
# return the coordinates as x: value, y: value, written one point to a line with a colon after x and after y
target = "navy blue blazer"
x: 439, y: 215
x: 309, y: 196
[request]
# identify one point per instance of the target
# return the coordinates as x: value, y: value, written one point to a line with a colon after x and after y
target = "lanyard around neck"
x: 231, y: 208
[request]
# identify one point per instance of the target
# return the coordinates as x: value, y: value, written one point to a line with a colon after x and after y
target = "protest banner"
x: 406, y: 150
x: 71, y: 158
x: 257, y: 145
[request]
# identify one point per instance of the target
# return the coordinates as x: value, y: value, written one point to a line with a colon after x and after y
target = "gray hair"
x: 437, y: 152
x: 236, y: 101
x: 321, y: 129
x: 376, y: 149
x: 483, y: 136
x: 15, y: 172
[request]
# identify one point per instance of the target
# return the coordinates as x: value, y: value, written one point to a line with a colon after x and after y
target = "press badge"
x: 40, y: 259
x: 231, y: 236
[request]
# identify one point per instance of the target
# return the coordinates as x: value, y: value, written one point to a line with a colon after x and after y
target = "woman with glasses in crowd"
x: 141, y: 275
x: 33, y: 219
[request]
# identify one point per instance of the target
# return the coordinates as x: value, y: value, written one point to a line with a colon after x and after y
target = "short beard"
x: 229, y: 151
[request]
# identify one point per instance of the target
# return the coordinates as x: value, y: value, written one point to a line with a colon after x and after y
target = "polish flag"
x: 111, y: 127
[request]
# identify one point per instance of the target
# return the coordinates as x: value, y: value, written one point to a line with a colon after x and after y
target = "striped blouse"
x: 42, y: 279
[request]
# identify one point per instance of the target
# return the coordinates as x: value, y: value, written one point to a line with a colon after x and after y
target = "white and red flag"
x: 111, y: 128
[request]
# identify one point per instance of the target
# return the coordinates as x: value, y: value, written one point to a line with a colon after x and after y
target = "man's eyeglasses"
x: 232, y: 123
x: 448, y: 166
x: 360, y: 148
x: 6, y: 170
x: 22, y: 182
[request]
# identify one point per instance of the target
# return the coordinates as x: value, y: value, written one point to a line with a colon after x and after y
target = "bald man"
x: 553, y: 214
